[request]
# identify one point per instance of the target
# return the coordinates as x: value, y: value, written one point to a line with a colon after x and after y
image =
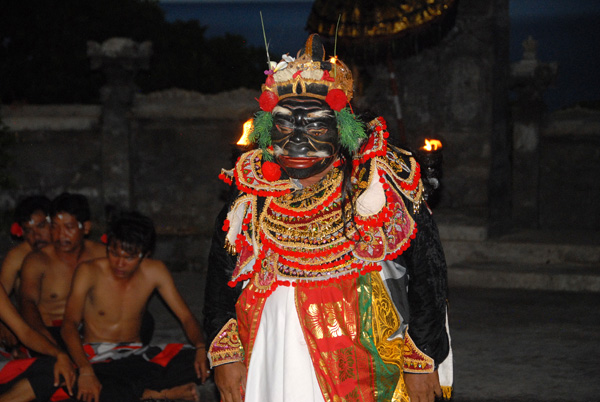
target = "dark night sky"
x: 567, y: 32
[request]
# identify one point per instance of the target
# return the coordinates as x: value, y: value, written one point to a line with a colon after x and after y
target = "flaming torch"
x: 430, y: 158
x: 243, y: 144
x: 244, y: 140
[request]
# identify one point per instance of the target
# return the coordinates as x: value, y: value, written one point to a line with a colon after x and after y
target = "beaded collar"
x: 306, y: 237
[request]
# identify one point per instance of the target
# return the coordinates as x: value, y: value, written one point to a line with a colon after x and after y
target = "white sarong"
x: 280, y: 368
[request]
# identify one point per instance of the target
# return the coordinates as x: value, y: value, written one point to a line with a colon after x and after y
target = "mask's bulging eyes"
x: 283, y: 129
x: 316, y: 131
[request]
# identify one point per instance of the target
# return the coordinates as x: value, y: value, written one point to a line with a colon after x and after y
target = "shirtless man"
x: 109, y: 296
x: 46, y: 274
x: 33, y: 378
x: 32, y: 224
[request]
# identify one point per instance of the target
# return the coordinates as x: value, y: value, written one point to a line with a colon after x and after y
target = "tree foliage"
x: 43, y: 46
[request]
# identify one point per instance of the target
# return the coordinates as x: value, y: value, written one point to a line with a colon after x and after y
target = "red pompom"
x: 16, y: 230
x: 267, y: 101
x: 336, y: 99
x: 104, y: 238
x: 271, y: 171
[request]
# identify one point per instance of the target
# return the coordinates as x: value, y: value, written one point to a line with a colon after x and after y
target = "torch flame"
x: 432, y: 145
x: 244, y: 139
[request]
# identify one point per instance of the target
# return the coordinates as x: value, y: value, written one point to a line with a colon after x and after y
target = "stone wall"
x: 569, y: 168
x: 56, y: 149
x: 453, y: 91
x: 179, y: 142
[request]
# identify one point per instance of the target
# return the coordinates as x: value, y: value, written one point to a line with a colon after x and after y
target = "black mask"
x: 304, y: 136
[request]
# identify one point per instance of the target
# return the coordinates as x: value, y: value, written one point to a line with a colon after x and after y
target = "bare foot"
x: 187, y: 392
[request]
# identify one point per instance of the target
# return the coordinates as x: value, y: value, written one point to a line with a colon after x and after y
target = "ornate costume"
x: 358, y: 259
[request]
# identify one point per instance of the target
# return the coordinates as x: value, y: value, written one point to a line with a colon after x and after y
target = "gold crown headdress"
x: 310, y: 74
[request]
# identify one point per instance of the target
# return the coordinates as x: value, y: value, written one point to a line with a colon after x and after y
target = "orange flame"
x: 244, y: 139
x: 432, y: 145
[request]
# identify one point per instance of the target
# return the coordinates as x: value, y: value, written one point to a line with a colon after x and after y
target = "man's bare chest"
x: 56, y: 282
x: 118, y: 302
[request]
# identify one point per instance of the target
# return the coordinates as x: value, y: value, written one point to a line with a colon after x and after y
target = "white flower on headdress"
x: 286, y: 58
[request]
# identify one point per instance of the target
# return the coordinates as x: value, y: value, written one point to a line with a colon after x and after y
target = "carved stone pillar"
x: 119, y: 59
x: 529, y: 79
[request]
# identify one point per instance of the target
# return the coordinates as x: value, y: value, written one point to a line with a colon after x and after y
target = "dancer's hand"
x: 423, y: 387
x: 230, y: 378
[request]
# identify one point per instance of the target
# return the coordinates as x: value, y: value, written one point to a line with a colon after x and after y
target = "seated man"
x: 32, y: 224
x: 46, y: 274
x: 33, y: 378
x: 109, y: 296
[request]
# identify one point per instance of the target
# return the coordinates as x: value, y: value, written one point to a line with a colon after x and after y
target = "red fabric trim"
x: 59, y: 395
x: 225, y: 179
x: 14, y: 368
x: 89, y: 351
x: 346, y: 246
x: 249, y: 312
x: 168, y: 353
x: 226, y: 347
x: 376, y: 145
x: 416, y: 177
x: 415, y: 361
x: 344, y: 368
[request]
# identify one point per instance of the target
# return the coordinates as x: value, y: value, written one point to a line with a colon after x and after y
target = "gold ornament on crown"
x: 309, y: 74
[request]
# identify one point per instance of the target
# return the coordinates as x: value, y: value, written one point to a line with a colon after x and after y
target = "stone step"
x: 461, y: 225
x: 465, y: 239
x: 462, y: 232
x: 511, y: 251
x: 523, y: 259
x: 557, y: 277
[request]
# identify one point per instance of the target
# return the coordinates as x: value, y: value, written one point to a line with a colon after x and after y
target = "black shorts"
x: 40, y: 374
x: 125, y: 379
